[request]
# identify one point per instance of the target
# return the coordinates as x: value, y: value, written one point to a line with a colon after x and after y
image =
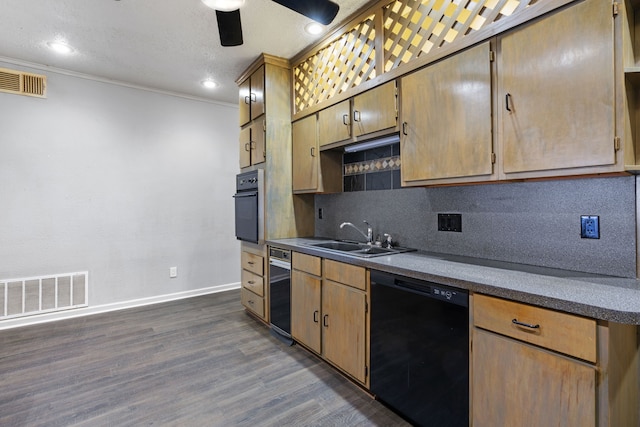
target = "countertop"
x: 607, y: 298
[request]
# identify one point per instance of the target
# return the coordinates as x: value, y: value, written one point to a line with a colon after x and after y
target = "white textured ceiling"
x: 170, y: 45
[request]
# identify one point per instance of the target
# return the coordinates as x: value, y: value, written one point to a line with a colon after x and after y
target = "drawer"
x: 253, y: 263
x: 253, y: 282
x: 561, y: 332
x: 252, y: 301
x: 346, y: 274
x: 307, y: 263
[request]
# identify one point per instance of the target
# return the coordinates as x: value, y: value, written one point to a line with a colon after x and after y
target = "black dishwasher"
x: 420, y: 349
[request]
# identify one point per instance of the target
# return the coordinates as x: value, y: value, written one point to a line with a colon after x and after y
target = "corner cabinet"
x: 329, y: 312
x: 446, y: 132
x: 540, y: 367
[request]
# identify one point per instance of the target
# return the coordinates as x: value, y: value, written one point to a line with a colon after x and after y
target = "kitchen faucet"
x: 368, y: 236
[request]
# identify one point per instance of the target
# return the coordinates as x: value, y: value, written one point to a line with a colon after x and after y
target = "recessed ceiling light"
x: 224, y: 5
x: 209, y: 84
x: 60, y: 47
x: 313, y: 28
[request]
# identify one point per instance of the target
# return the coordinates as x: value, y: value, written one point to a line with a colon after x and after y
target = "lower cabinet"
x: 538, y: 367
x: 253, y: 293
x: 329, y: 314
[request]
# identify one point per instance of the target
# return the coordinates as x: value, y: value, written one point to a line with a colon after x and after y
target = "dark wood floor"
x: 200, y: 361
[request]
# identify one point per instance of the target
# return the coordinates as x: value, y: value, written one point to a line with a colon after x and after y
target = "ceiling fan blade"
x: 322, y: 11
x: 229, y: 27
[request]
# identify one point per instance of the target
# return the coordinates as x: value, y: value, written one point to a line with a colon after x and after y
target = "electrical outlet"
x: 173, y: 272
x: 320, y: 213
x: 590, y: 226
x: 450, y: 222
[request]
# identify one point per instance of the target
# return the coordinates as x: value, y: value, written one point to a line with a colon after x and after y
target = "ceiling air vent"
x: 20, y: 83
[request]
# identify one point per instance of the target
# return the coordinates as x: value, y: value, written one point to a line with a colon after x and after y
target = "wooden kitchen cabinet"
x: 253, y: 293
x: 344, y: 327
x: 334, y: 123
x: 313, y: 171
x: 556, y: 94
x: 515, y: 384
x: 251, y: 96
x: 363, y: 116
x: 328, y: 317
x: 552, y: 368
x: 252, y: 144
x: 446, y: 131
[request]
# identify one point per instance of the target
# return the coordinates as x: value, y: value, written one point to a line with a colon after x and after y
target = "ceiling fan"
x: 230, y: 27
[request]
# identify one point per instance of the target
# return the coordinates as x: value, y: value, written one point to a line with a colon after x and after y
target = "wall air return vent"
x: 21, y: 83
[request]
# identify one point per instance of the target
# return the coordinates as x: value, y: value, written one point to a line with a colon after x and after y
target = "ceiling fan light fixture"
x: 314, y: 28
x: 224, y: 5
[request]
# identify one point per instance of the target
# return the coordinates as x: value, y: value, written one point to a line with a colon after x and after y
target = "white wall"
x: 121, y: 182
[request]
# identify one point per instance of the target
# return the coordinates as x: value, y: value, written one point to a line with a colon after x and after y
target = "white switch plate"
x: 173, y: 272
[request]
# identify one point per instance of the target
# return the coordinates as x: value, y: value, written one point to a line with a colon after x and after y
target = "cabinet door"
x: 556, y: 91
x: 375, y: 110
x: 344, y: 328
x: 515, y: 384
x: 258, y: 148
x: 334, y: 123
x: 245, y: 147
x: 305, y: 154
x: 244, y: 101
x: 257, y: 93
x: 446, y: 114
x: 305, y: 309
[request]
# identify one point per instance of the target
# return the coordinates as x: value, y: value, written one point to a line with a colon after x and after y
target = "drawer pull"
x: 250, y: 262
x: 325, y: 320
x: 525, y: 325
x: 251, y: 282
x: 315, y: 316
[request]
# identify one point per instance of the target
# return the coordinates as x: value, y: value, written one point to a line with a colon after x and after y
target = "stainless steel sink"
x: 361, y: 250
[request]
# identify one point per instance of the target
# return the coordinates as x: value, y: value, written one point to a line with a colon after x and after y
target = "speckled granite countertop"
x: 601, y: 297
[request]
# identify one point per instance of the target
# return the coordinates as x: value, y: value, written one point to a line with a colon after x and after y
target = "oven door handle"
x: 281, y: 264
x: 245, y: 194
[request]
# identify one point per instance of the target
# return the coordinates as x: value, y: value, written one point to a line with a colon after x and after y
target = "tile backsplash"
x: 373, y: 169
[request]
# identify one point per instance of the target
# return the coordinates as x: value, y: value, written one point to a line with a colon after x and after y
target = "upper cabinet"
x: 251, y: 96
x: 556, y: 94
x: 364, y: 116
x: 252, y: 146
x: 313, y: 171
x: 446, y: 120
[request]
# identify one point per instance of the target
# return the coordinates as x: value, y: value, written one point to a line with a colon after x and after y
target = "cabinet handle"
x: 252, y: 144
x: 325, y: 320
x: 252, y: 97
x: 250, y: 302
x: 247, y: 146
x: 247, y: 100
x: 313, y: 151
x: 525, y: 325
x: 404, y: 128
x: 507, y: 99
x: 250, y: 262
x: 356, y: 115
x: 315, y: 316
x: 251, y: 282
x: 345, y: 117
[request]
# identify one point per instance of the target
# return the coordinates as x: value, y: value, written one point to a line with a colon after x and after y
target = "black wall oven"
x: 249, y: 202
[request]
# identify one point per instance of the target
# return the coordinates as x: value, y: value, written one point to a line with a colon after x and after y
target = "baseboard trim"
x: 80, y: 312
